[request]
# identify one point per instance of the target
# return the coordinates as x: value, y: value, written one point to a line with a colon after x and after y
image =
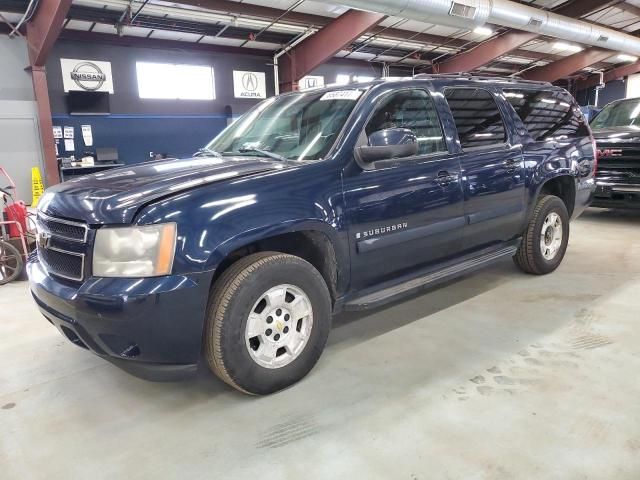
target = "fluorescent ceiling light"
x: 567, y: 46
x: 623, y: 57
x: 483, y: 31
x: 342, y: 79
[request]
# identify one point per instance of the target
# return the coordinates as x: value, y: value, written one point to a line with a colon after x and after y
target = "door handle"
x: 512, y: 164
x: 444, y: 178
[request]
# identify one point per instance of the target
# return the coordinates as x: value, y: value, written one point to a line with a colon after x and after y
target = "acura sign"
x: 249, y: 84
x: 86, y: 75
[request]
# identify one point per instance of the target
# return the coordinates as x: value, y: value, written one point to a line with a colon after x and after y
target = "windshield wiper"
x: 264, y: 153
x: 204, y: 151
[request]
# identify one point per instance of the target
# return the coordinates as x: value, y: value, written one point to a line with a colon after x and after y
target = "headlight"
x: 145, y: 251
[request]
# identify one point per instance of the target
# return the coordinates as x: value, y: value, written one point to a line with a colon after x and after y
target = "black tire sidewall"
x: 245, y: 372
x: 554, y: 204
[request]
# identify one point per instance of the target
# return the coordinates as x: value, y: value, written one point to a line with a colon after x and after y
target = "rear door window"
x: 477, y: 117
x: 548, y: 115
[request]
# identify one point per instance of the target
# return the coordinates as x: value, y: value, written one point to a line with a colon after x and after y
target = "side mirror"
x: 388, y: 144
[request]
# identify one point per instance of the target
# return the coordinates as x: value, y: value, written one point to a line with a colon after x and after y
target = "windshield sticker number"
x: 342, y: 95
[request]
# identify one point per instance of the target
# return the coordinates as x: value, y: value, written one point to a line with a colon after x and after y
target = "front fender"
x: 216, y: 220
x: 221, y: 251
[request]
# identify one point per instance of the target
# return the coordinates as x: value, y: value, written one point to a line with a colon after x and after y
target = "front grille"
x: 62, y: 246
x: 64, y: 229
x: 63, y: 263
x: 619, y: 159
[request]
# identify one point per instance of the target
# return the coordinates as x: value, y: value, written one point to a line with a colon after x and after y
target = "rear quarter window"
x: 548, y: 115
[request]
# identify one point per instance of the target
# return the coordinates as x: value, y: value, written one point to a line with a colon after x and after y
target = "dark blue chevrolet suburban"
x: 312, y: 203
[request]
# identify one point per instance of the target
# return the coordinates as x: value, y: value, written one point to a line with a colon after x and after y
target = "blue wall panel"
x: 614, y: 90
x: 134, y: 136
x: 175, y: 127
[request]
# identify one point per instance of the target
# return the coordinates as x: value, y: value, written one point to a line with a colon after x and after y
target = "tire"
x: 532, y: 257
x: 256, y: 364
x: 11, y: 263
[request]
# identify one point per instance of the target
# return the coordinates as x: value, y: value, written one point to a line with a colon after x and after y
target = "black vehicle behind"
x: 617, y: 133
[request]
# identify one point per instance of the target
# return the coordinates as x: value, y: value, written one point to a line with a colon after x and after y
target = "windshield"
x: 619, y: 114
x: 291, y: 127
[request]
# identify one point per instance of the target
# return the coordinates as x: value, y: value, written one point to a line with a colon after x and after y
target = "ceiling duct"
x: 472, y: 13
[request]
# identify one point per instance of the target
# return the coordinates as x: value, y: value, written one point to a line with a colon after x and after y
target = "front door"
x: 406, y: 213
x: 492, y: 169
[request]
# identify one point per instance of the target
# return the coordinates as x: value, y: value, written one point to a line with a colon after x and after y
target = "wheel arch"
x: 317, y: 243
x: 562, y: 185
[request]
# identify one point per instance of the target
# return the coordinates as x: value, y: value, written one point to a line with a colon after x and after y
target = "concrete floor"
x: 497, y: 376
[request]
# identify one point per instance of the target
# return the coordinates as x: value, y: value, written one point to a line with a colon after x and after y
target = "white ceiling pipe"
x: 471, y: 13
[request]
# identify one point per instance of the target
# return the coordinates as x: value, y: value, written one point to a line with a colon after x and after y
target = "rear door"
x: 404, y: 213
x: 555, y: 132
x: 492, y: 168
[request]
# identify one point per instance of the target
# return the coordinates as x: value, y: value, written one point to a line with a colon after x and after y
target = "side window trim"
x: 396, y: 162
x: 505, y: 144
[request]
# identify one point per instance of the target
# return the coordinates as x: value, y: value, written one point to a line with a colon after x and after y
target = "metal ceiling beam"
x: 251, y: 10
x: 582, y: 8
x: 44, y: 28
x: 629, y: 8
x: 573, y: 63
x: 293, y: 17
x: 105, y: 38
x: 611, y: 75
x: 323, y: 45
x: 486, y: 52
x: 568, y: 65
x: 45, y: 122
x: 42, y: 32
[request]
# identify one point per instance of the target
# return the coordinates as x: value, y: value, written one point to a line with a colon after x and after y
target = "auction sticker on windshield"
x: 342, y: 95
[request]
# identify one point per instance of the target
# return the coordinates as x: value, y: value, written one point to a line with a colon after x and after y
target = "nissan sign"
x: 249, y: 84
x: 86, y: 75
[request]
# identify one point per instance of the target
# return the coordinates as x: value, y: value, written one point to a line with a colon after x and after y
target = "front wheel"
x: 269, y: 317
x: 545, y: 240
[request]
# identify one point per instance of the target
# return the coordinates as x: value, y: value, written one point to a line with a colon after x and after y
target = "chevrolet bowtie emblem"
x: 43, y: 239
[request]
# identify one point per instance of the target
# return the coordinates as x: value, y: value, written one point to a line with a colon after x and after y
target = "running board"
x: 432, y: 278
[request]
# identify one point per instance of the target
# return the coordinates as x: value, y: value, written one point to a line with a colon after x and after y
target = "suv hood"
x: 617, y: 135
x: 116, y: 195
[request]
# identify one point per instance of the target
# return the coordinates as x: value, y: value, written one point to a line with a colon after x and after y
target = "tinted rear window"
x: 548, y: 115
x: 477, y: 117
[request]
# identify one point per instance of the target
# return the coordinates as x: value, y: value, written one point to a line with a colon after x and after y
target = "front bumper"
x: 616, y: 195
x: 149, y: 327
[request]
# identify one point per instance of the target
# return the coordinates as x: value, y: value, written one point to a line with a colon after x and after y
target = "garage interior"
x: 498, y: 375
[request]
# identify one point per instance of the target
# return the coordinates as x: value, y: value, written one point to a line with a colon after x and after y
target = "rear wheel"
x: 11, y: 263
x: 545, y: 240
x: 268, y: 320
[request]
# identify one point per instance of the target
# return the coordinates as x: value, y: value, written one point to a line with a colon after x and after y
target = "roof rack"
x: 471, y: 76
